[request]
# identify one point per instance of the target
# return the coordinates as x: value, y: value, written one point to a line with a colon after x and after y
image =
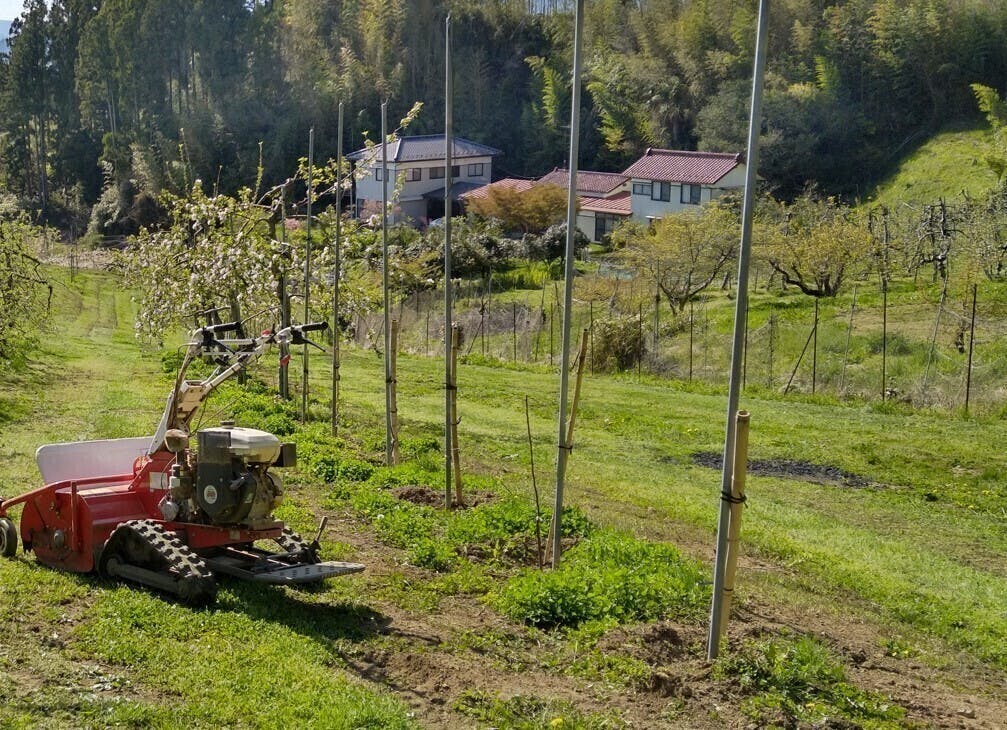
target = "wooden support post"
x: 737, y: 500
x: 393, y: 411
x: 972, y: 343
x: 456, y: 339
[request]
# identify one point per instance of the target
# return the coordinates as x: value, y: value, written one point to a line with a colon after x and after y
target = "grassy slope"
x: 942, y: 167
x: 250, y: 659
x: 926, y: 561
x: 904, y: 551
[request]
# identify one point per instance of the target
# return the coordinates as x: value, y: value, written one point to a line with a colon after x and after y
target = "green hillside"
x: 942, y: 167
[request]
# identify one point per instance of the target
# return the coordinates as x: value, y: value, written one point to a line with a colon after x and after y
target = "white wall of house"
x: 420, y: 180
x: 647, y: 199
x: 585, y: 223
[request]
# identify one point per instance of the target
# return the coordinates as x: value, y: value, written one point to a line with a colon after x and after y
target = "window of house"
x: 379, y: 174
x: 413, y: 174
x: 641, y: 188
x: 436, y: 173
x: 692, y: 194
x: 456, y: 171
x: 661, y: 191
x: 604, y: 224
x: 476, y: 169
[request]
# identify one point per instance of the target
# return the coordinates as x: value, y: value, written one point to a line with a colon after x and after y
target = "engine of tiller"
x: 227, y: 481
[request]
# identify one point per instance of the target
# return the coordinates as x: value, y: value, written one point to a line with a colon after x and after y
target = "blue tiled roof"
x: 427, y: 147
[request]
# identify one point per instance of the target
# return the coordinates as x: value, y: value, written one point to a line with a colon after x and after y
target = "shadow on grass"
x: 321, y: 620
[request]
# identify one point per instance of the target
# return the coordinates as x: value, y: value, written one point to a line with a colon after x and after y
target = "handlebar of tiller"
x: 210, y: 332
x: 297, y: 332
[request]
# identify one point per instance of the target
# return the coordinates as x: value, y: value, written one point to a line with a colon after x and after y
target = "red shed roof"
x: 697, y: 168
x: 618, y: 204
x: 588, y: 181
x: 512, y: 183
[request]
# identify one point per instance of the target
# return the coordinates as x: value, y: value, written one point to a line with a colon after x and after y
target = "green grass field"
x: 909, y: 563
x: 943, y: 166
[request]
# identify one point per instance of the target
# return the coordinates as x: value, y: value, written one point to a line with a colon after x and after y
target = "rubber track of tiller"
x: 195, y: 582
x: 291, y: 542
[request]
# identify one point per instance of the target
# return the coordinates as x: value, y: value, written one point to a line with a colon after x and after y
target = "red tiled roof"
x: 697, y: 168
x: 618, y: 204
x: 511, y: 183
x: 588, y: 182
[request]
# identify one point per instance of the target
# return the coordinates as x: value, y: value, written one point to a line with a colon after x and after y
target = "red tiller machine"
x: 155, y: 511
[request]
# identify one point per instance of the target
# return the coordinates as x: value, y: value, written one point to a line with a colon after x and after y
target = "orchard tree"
x: 816, y: 244
x: 25, y: 294
x: 682, y: 253
x: 217, y: 252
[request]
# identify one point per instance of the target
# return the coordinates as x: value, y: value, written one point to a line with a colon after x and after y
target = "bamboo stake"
x: 814, y: 352
x: 884, y: 340
x: 772, y: 338
x: 456, y: 337
x: 307, y: 275
x: 933, y: 339
x: 284, y: 298
x: 744, y: 356
x: 555, y: 530
x: 386, y: 303
x: 639, y: 359
x: 799, y: 361
x: 568, y: 273
x: 581, y: 359
x: 692, y: 331
x: 336, y: 273
x: 972, y: 342
x: 737, y: 501
x: 849, y: 335
x: 534, y: 485
x: 744, y: 257
x: 393, y: 411
x: 514, y: 331
x: 450, y: 349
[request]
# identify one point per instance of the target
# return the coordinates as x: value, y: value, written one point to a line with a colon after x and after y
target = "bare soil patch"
x: 428, y: 497
x: 789, y: 469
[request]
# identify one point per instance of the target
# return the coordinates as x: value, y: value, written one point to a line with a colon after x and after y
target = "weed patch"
x: 611, y: 575
x: 522, y: 712
x: 796, y: 681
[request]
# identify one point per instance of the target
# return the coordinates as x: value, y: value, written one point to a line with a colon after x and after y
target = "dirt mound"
x: 429, y: 497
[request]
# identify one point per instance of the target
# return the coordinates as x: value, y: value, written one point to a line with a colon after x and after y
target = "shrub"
x: 619, y: 344
x: 551, y: 244
x: 549, y: 598
x: 610, y: 575
x: 355, y: 470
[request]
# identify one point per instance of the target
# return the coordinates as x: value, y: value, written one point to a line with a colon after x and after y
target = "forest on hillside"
x: 132, y: 97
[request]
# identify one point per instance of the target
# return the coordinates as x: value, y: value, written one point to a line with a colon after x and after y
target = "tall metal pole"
x: 448, y: 314
x: 284, y: 297
x: 337, y: 272
x: 740, y: 305
x: 307, y: 274
x: 884, y: 339
x: 571, y: 223
x: 384, y: 284
x: 972, y: 342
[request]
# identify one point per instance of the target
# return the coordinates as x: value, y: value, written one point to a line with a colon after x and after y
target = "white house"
x: 668, y: 181
x: 420, y: 160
